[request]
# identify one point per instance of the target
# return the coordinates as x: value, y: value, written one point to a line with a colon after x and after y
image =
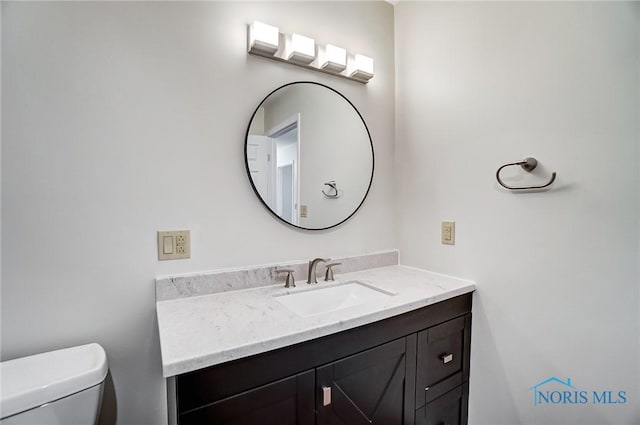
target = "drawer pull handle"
x: 326, y: 396
x: 446, y: 358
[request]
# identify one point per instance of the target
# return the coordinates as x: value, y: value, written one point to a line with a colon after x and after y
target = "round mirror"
x: 309, y: 155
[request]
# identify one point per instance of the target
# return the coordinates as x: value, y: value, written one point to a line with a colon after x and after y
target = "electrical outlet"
x: 449, y: 232
x: 174, y: 244
x: 181, y: 242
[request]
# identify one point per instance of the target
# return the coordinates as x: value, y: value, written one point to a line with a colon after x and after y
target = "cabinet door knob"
x: 326, y: 396
x: 446, y: 358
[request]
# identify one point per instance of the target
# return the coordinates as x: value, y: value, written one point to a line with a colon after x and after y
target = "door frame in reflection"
x: 287, y: 211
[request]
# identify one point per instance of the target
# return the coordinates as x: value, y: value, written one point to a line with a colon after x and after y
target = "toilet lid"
x: 32, y: 381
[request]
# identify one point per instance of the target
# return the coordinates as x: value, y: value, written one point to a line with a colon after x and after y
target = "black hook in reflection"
x: 333, y: 193
x: 527, y: 164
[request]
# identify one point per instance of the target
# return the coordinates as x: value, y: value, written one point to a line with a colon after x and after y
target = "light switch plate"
x: 449, y: 232
x: 174, y: 244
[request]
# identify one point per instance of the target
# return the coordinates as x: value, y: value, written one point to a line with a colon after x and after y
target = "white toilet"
x: 62, y: 387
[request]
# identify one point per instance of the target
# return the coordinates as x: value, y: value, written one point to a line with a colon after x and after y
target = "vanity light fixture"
x: 263, y: 39
x: 332, y: 58
x: 362, y: 67
x: 300, y: 49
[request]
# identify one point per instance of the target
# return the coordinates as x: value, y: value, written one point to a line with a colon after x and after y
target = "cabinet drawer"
x: 441, y: 351
x: 448, y: 409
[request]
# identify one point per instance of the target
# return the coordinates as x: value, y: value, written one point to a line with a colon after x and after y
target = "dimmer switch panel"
x: 174, y: 244
x: 449, y: 232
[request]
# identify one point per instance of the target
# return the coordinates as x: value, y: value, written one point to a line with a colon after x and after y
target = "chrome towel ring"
x: 333, y: 190
x: 527, y: 164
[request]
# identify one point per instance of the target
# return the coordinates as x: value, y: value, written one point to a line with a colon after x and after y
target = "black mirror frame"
x: 246, y: 160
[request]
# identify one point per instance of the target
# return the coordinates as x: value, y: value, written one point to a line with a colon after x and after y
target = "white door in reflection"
x: 261, y: 161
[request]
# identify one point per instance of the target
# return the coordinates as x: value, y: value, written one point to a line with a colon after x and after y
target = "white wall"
x: 124, y: 118
x: 257, y: 122
x: 482, y: 84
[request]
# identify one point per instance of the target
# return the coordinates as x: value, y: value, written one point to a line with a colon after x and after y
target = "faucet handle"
x: 289, y: 281
x: 328, y: 276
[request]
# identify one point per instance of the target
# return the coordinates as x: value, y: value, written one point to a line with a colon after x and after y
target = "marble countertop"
x: 206, y: 330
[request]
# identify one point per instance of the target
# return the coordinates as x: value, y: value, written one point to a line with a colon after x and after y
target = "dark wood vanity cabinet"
x: 410, y: 369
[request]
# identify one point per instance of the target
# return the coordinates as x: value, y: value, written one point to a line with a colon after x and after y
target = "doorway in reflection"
x: 286, y: 196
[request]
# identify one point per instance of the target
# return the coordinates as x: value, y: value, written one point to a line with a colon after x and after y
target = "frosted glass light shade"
x: 300, y: 49
x: 333, y: 59
x: 362, y: 67
x: 263, y: 38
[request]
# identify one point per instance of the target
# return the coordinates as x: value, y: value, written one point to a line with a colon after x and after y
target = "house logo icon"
x: 540, y: 396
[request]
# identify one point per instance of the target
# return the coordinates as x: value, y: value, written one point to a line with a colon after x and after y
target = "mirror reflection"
x: 309, y: 155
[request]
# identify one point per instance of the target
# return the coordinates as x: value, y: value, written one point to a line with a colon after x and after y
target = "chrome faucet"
x: 311, y: 277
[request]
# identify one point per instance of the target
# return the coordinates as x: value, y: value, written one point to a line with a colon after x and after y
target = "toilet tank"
x: 57, y: 387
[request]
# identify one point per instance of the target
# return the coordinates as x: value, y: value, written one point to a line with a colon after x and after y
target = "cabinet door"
x: 448, y: 409
x: 366, y: 388
x: 285, y: 402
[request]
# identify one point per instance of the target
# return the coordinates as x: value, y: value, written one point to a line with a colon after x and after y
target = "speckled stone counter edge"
x: 184, y: 286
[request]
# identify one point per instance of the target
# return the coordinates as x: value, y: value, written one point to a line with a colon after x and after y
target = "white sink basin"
x: 331, y: 298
